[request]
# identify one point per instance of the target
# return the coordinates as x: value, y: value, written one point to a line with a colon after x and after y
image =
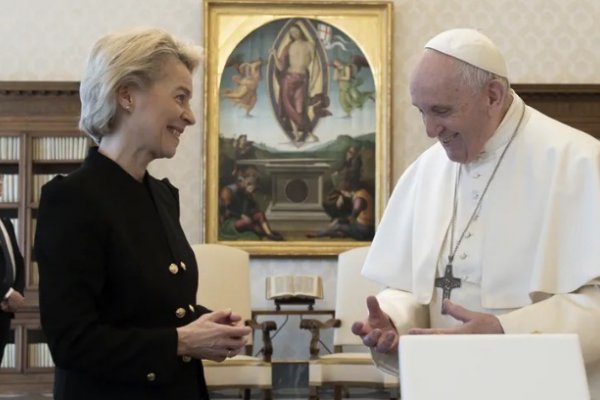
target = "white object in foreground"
x: 492, y: 367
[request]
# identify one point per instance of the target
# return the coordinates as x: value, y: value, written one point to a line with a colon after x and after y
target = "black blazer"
x: 117, y: 276
x: 19, y: 283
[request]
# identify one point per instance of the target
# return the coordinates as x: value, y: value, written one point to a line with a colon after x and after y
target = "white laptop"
x: 492, y: 367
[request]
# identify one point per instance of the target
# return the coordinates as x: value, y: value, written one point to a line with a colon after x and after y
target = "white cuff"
x: 7, y: 295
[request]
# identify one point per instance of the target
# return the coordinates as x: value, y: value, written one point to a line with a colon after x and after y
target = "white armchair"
x: 351, y: 364
x: 224, y: 282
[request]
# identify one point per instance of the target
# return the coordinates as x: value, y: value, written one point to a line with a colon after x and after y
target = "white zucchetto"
x: 472, y: 47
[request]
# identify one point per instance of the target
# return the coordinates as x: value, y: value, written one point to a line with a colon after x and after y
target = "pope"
x: 493, y: 229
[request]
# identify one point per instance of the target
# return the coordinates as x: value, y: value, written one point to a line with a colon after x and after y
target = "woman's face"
x: 162, y: 112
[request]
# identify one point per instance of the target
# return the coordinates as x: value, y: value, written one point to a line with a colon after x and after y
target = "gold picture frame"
x: 298, y: 100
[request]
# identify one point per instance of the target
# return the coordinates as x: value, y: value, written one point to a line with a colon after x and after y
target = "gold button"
x: 180, y: 312
x: 183, y: 267
x: 186, y: 359
x: 191, y: 307
x: 151, y: 377
x: 173, y: 268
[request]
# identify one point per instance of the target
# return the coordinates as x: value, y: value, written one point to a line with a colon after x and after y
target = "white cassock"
x: 531, y: 256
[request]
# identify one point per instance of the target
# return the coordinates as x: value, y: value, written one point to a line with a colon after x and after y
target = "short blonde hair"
x: 134, y: 57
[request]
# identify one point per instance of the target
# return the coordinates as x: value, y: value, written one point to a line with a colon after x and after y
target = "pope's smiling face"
x: 458, y: 116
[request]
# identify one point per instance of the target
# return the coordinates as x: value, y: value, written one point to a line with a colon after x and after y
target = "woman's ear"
x: 125, y: 97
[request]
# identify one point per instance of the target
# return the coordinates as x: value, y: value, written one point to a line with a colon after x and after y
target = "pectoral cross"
x: 447, y: 283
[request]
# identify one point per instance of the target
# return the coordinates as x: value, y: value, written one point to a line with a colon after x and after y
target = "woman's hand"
x: 214, y: 336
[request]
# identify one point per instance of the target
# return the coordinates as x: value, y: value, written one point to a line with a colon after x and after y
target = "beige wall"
x: 545, y: 41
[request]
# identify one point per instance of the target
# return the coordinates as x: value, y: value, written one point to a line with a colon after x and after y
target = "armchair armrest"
x: 314, y: 326
x: 266, y: 327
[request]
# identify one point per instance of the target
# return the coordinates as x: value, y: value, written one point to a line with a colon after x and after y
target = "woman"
x: 117, y: 276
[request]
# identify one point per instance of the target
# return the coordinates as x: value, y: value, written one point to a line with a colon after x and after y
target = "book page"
x: 308, y: 286
x: 279, y: 286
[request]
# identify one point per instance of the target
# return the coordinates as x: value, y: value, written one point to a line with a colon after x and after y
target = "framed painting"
x: 298, y: 102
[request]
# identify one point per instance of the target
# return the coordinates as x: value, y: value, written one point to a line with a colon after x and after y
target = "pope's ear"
x: 496, y: 92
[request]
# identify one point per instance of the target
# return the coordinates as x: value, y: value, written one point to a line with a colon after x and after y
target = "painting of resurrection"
x: 297, y: 136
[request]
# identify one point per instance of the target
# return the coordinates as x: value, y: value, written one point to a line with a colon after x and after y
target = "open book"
x: 294, y: 286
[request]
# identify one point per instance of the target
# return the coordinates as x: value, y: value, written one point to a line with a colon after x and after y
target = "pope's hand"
x: 377, y: 331
x: 473, y: 322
